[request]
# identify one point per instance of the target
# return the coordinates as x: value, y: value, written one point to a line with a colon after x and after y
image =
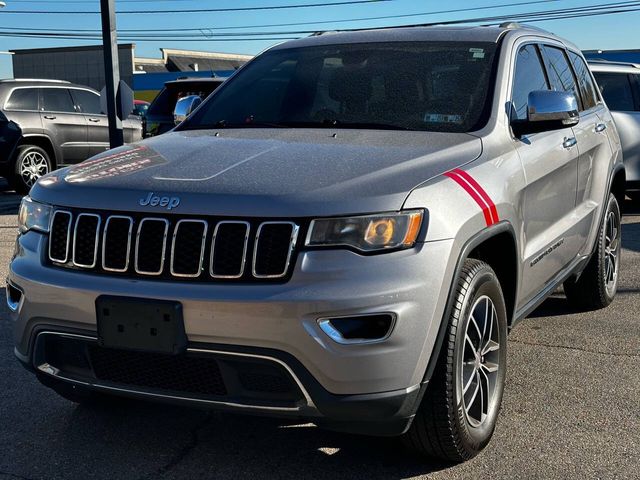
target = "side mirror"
x: 548, y: 110
x: 184, y: 107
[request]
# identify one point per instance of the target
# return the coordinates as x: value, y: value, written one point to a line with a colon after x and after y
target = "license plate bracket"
x: 140, y: 324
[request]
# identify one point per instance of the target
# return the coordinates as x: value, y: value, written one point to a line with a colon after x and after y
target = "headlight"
x: 33, y: 216
x: 367, y: 233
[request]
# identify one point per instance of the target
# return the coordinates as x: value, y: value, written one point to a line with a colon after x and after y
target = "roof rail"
x: 516, y: 25
x: 9, y: 80
x: 613, y: 62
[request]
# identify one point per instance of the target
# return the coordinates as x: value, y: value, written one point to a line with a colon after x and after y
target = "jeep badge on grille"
x: 157, y: 201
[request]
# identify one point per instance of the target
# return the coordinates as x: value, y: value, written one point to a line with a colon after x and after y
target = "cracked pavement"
x: 571, y: 409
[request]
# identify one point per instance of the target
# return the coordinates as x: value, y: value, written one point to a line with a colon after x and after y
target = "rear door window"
x: 23, y: 99
x: 529, y: 76
x: 57, y: 100
x: 86, y: 101
x: 616, y: 90
x: 585, y: 83
x: 560, y: 73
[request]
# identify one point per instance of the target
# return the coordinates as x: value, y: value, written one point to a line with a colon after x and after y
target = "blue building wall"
x: 147, y: 85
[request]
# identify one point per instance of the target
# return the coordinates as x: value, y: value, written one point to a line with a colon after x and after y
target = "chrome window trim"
x: 244, y: 251
x: 66, y: 258
x: 164, y: 245
x: 202, y: 248
x: 292, y: 244
x: 104, y: 243
x: 40, y: 110
x: 53, y: 371
x: 96, y: 239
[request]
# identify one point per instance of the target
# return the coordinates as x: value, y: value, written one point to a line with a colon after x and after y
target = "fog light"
x: 359, y: 328
x: 14, y: 296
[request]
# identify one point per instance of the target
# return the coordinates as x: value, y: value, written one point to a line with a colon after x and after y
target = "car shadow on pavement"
x: 176, y: 442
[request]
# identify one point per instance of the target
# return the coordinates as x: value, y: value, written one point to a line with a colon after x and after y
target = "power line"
x: 321, y: 22
x: 199, y: 10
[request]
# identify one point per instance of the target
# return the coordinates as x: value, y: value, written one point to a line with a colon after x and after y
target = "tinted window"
x: 587, y: 89
x: 23, y: 99
x: 56, y: 100
x: 166, y: 100
x: 559, y: 71
x: 410, y: 85
x: 529, y: 76
x: 616, y: 90
x: 86, y: 101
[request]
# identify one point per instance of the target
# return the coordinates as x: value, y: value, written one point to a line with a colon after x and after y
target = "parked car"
x: 159, y: 118
x: 60, y: 124
x: 140, y: 108
x: 620, y: 86
x: 344, y: 233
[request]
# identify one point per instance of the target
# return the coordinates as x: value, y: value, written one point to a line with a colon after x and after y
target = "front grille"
x: 155, y: 370
x: 208, y: 249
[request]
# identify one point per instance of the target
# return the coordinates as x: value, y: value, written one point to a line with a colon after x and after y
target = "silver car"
x: 620, y: 87
x: 344, y: 232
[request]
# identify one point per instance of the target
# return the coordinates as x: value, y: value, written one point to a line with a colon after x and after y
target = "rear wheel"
x: 597, y: 285
x: 31, y: 163
x: 458, y: 413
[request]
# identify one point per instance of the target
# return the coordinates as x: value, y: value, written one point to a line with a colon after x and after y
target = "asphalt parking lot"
x: 571, y: 410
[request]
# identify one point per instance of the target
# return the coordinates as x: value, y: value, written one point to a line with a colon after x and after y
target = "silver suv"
x: 620, y: 87
x: 343, y: 232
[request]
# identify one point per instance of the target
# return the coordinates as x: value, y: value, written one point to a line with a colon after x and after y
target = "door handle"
x: 50, y: 117
x: 569, y: 142
x: 94, y: 120
x: 600, y: 127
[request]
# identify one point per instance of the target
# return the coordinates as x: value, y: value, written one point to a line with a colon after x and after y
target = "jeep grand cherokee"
x: 343, y: 232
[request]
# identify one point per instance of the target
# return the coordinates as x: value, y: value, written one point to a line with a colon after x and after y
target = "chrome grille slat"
x: 172, y: 246
x: 174, y: 271
x: 96, y: 238
x: 105, y: 244
x: 212, y: 269
x: 67, y: 235
x: 162, y: 252
x: 291, y: 247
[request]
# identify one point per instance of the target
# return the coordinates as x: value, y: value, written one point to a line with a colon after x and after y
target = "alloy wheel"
x: 33, y: 166
x: 611, y: 252
x: 480, y: 362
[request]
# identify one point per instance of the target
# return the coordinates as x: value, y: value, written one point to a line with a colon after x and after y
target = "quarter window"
x: 560, y: 73
x: 23, y: 99
x: 529, y: 76
x: 587, y: 90
x: 86, y: 101
x: 616, y: 90
x: 57, y: 100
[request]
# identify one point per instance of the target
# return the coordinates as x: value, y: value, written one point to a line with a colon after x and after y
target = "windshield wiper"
x: 225, y: 124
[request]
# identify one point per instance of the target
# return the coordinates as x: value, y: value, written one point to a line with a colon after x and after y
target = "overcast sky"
x: 618, y: 31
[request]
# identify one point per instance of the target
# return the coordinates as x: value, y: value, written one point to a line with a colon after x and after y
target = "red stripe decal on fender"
x: 481, y: 191
x: 476, y: 192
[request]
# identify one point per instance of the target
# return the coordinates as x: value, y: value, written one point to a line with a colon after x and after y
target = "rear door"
x: 593, y: 146
x: 549, y: 160
x: 621, y: 91
x: 66, y: 126
x: 88, y: 103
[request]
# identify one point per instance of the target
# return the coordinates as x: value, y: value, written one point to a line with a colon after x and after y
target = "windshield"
x: 407, y: 86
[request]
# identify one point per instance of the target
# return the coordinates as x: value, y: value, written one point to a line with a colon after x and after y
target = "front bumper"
x: 278, y: 319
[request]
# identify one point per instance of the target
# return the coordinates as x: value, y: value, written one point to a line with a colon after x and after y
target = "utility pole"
x: 111, y: 71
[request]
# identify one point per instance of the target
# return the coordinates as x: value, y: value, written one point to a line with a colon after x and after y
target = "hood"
x: 261, y: 172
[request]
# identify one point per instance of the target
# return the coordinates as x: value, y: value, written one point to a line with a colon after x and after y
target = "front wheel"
x: 597, y: 285
x: 31, y: 163
x: 458, y: 413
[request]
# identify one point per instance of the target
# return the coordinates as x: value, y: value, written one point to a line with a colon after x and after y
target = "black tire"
x: 597, y: 285
x: 443, y: 428
x: 20, y: 179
